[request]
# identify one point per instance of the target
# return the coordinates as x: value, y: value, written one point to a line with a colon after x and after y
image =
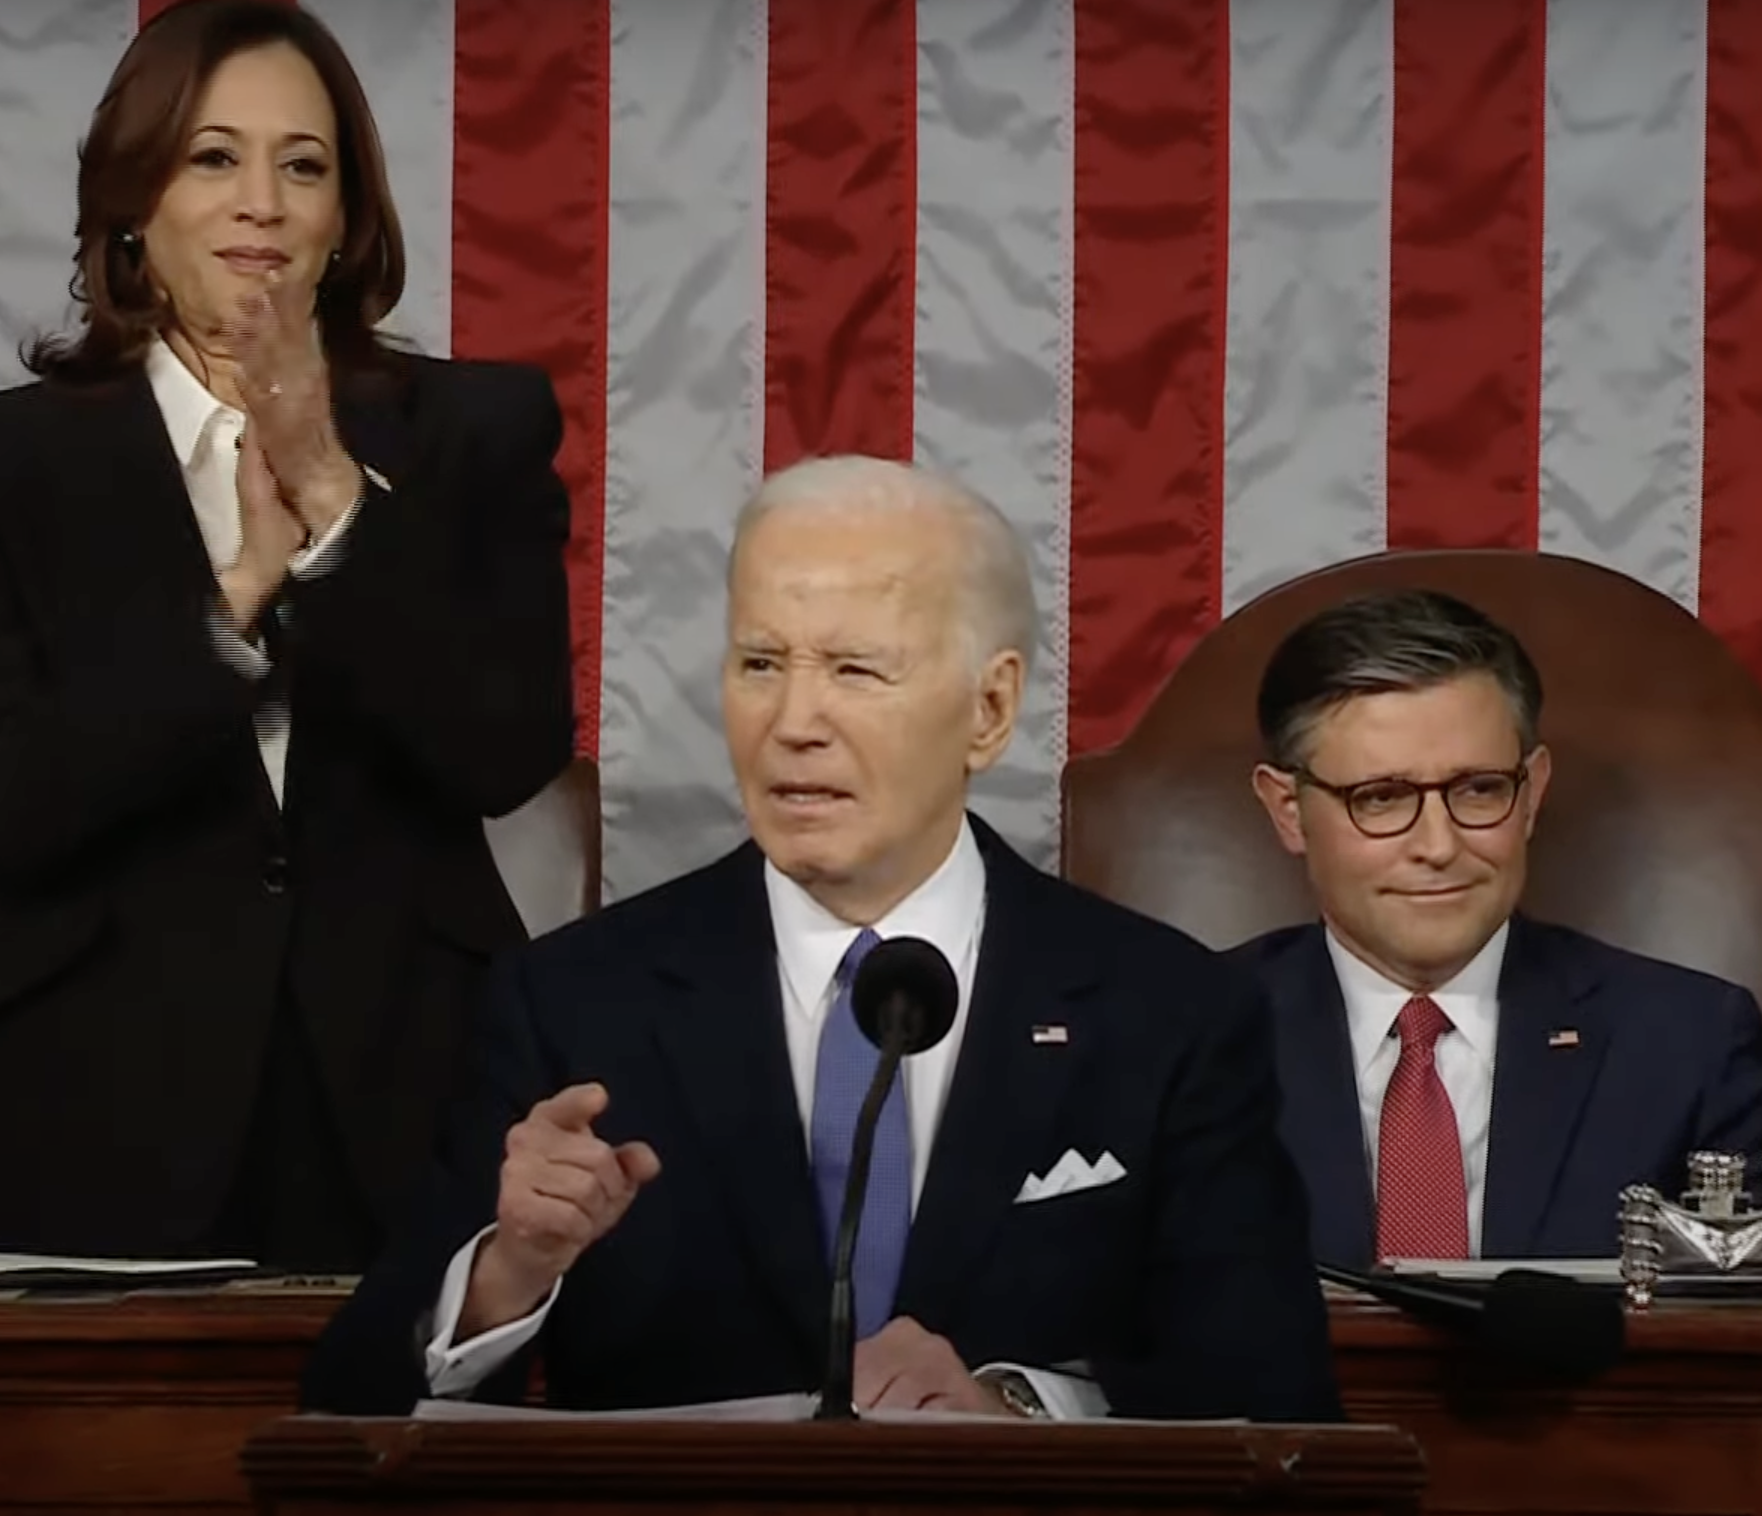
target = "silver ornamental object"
x: 1712, y: 1232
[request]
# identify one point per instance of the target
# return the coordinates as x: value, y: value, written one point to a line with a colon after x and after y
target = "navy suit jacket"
x: 1667, y: 1061
x: 1187, y: 1285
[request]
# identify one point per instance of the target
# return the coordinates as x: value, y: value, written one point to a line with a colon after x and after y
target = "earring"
x: 129, y: 242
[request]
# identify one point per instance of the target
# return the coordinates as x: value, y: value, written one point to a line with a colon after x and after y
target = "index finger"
x: 875, y: 1364
x: 574, y: 1109
x: 247, y: 331
x: 291, y: 307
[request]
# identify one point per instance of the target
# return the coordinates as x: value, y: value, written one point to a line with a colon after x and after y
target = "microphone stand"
x: 837, y: 1399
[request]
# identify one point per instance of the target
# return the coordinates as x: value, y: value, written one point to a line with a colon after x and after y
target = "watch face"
x: 1018, y: 1394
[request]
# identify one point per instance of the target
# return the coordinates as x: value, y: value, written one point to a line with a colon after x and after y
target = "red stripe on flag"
x: 840, y: 228
x: 1465, y: 274
x: 1151, y: 234
x: 530, y: 169
x: 1731, y: 497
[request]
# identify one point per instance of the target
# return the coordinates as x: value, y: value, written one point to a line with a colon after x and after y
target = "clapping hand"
x: 284, y: 382
x: 269, y: 536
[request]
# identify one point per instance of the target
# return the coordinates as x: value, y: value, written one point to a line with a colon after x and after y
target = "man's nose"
x: 799, y: 707
x: 1434, y: 836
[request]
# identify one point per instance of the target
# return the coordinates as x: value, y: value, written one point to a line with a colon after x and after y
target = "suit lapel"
x: 1539, y: 1091
x: 721, y: 1032
x: 131, y: 498
x: 379, y: 433
x: 1322, y: 1125
x: 376, y: 422
x: 130, y: 492
x: 1007, y: 1089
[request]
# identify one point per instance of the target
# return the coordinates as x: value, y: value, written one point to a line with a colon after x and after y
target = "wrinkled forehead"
x: 853, y: 564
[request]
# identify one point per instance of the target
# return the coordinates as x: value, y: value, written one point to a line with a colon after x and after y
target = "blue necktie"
x: 845, y: 1066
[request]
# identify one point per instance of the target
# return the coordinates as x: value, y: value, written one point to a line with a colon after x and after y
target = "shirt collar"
x: 187, y: 406
x: 1470, y: 999
x: 944, y: 910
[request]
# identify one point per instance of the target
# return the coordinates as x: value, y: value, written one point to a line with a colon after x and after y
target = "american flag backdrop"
x: 1204, y: 293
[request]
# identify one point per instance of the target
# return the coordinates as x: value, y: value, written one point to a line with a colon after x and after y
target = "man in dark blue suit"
x: 1460, y: 1080
x: 1078, y: 1203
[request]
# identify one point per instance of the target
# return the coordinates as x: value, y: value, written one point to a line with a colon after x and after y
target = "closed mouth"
x: 254, y: 258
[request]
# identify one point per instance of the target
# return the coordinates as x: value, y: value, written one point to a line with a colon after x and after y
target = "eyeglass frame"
x: 1518, y: 776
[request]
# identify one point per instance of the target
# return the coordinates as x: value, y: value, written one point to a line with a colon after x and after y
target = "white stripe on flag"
x: 685, y: 338
x: 1305, y: 396
x: 55, y: 56
x: 1623, y: 288
x: 993, y: 330
x: 403, y: 51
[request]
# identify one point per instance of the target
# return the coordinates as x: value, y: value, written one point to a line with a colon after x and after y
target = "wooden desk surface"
x: 143, y: 1404
x: 1675, y: 1427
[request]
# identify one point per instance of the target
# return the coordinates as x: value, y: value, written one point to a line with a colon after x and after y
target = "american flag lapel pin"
x: 1050, y: 1034
x: 1566, y: 1037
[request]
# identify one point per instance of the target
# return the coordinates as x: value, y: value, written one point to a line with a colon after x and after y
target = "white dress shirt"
x: 1464, y: 1056
x: 205, y: 433
x: 948, y: 909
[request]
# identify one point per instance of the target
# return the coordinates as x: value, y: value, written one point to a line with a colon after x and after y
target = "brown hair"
x: 1383, y: 641
x: 137, y: 141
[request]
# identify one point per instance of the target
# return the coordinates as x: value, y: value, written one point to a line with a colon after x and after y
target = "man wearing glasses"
x: 1461, y: 1081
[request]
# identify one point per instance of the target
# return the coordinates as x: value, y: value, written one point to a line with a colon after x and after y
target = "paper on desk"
x: 1585, y: 1270
x: 762, y: 1408
x: 12, y: 1264
x: 796, y: 1407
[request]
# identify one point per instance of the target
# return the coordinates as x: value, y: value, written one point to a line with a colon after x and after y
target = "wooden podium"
x: 142, y: 1405
x: 306, y: 1466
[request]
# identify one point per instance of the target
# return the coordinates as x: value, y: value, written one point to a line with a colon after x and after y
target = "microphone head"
x: 1555, y: 1329
x: 905, y: 989
x: 1525, y: 1324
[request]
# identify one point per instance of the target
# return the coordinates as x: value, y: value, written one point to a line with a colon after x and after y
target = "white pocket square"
x: 1070, y: 1174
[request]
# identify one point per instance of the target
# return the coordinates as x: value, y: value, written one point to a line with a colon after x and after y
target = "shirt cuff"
x: 1067, y: 1397
x: 242, y: 657
x: 455, y: 1369
x: 327, y: 552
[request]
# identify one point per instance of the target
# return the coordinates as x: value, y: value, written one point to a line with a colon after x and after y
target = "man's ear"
x: 997, y: 700
x: 1276, y: 790
x: 1540, y: 764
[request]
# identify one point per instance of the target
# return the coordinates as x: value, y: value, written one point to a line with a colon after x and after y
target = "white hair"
x: 997, y: 607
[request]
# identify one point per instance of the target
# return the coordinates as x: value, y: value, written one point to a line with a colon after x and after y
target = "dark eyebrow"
x: 287, y: 141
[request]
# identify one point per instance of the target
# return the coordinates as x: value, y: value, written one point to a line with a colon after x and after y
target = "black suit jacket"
x: 154, y: 901
x: 1187, y: 1284
x: 1666, y: 1061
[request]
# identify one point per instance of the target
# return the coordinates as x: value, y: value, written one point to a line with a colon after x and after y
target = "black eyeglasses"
x: 1388, y: 807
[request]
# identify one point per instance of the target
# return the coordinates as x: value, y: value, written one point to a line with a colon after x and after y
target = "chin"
x: 805, y: 865
x: 1444, y: 952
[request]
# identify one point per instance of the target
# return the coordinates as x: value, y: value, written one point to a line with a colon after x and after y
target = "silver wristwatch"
x: 1017, y: 1393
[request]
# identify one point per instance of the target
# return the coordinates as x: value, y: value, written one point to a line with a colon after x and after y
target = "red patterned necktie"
x: 1422, y: 1199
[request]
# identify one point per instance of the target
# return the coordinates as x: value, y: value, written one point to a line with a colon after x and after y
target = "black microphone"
x: 1526, y: 1323
x: 904, y: 1000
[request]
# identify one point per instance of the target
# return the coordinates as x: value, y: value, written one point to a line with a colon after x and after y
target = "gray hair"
x: 1393, y: 640
x: 997, y: 607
